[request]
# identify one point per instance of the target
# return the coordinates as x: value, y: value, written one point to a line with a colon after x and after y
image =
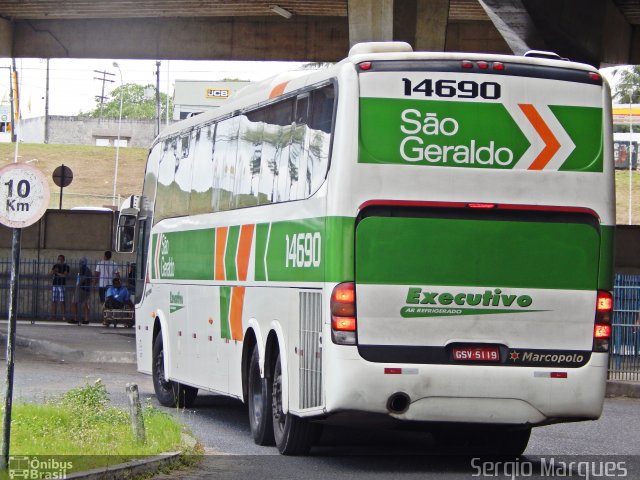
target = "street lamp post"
x: 115, y: 175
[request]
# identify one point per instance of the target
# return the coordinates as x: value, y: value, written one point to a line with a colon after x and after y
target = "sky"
x: 73, y: 88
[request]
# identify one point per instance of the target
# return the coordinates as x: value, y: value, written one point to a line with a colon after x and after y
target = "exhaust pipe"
x: 398, y: 402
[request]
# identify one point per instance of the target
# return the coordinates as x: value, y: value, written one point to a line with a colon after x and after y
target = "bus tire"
x: 259, y: 401
x: 293, y: 435
x: 169, y: 393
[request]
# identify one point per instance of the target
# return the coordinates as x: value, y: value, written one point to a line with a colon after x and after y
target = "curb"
x: 130, y: 469
x: 619, y: 388
x: 136, y: 468
x: 61, y: 352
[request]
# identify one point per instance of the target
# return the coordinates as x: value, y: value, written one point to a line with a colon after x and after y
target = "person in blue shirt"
x: 117, y: 296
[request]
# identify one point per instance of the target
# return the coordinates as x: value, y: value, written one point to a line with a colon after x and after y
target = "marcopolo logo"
x: 414, y: 147
x: 425, y: 303
x: 548, y: 358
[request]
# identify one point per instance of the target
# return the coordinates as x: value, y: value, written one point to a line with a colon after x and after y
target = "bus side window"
x: 249, y: 158
x: 277, y: 139
x: 166, y: 175
x: 321, y: 128
x: 184, y: 163
x: 298, y: 173
x: 224, y: 158
x: 201, y: 181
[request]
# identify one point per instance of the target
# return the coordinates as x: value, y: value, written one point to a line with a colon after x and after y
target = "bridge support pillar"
x: 421, y: 23
x: 6, y: 38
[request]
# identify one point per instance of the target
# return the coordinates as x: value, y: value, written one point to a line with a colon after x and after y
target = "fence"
x: 624, y: 361
x: 35, y: 292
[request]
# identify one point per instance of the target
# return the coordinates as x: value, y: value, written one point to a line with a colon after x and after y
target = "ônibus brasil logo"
x: 426, y: 303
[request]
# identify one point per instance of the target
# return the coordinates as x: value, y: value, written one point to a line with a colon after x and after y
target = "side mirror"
x: 126, y: 233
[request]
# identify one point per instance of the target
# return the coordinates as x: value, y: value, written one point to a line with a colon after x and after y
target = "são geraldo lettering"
x: 414, y: 148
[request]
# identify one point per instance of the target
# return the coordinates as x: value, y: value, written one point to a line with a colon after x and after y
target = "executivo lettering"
x: 426, y: 303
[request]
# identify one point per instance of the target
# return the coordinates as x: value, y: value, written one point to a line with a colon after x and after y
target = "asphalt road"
x: 222, y: 427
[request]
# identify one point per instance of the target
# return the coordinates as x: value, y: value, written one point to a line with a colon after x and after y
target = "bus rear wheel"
x: 293, y: 435
x: 168, y: 392
x: 259, y: 400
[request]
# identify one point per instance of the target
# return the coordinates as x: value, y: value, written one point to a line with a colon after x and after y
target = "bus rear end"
x: 483, y: 195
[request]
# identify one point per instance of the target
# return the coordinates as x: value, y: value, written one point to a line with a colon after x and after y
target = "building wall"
x: 196, y: 96
x: 85, y: 131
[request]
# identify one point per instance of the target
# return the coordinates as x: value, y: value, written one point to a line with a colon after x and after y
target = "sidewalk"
x: 86, y: 343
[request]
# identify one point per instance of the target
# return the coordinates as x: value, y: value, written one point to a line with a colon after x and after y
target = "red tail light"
x: 482, y: 205
x: 365, y: 66
x: 602, y: 327
x: 343, y: 314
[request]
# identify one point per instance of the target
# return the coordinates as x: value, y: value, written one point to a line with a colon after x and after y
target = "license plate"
x: 476, y: 354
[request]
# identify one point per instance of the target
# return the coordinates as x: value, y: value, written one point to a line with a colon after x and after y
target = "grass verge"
x: 83, y: 431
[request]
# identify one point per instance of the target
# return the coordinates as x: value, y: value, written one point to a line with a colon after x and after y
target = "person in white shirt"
x: 106, y: 270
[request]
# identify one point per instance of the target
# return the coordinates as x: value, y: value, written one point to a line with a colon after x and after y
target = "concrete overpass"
x: 593, y: 31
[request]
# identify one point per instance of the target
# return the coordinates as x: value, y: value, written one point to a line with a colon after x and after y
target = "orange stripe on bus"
x: 244, y: 251
x: 237, y: 303
x: 221, y: 246
x: 278, y: 90
x: 551, y: 142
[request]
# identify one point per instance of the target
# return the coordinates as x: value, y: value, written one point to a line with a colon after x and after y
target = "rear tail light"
x: 343, y: 314
x: 487, y: 206
x: 365, y: 66
x: 602, y: 327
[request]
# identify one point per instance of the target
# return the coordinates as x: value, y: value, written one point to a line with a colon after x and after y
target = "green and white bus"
x: 412, y: 238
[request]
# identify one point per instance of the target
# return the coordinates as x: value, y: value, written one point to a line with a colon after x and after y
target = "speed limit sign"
x: 24, y: 195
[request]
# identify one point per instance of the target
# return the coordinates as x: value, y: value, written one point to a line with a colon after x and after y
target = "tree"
x: 134, y: 104
x: 627, y: 90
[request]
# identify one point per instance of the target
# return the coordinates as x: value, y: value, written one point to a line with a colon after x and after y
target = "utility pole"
x: 158, y: 97
x: 46, y: 108
x: 104, y: 79
x: 14, y: 99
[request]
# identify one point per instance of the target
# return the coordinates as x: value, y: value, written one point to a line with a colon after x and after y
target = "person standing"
x: 82, y: 292
x: 106, y: 270
x: 59, y: 274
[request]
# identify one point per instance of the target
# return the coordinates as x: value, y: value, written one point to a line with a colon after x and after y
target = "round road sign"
x: 24, y: 195
x: 62, y: 176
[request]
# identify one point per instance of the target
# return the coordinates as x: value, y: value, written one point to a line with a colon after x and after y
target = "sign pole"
x: 11, y: 342
x: 24, y: 197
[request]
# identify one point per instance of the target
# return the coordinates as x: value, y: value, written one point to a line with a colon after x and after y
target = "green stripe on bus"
x: 584, y: 126
x: 606, y: 266
x: 230, y: 252
x: 225, y: 301
x: 459, y: 126
x: 292, y: 253
x: 186, y: 255
x: 482, y: 253
x: 455, y: 134
x: 262, y: 232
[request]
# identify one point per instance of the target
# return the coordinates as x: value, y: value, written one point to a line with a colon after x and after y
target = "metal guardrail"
x: 35, y: 290
x: 624, y: 360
